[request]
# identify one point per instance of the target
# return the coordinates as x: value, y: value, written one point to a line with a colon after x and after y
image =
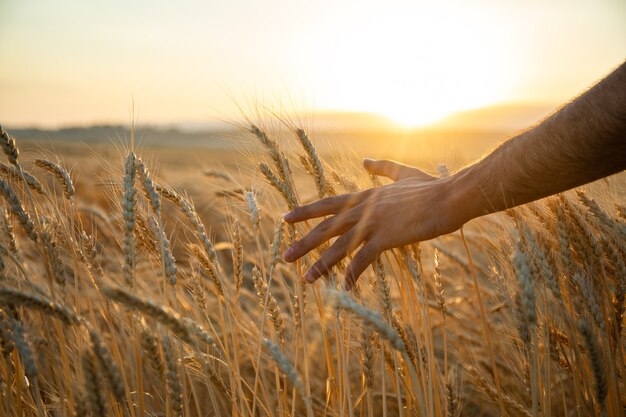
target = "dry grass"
x: 123, y: 296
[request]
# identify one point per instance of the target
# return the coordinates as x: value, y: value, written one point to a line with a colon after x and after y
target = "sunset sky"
x: 68, y: 62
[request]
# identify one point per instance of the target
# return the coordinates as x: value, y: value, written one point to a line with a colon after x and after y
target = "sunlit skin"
x: 582, y: 142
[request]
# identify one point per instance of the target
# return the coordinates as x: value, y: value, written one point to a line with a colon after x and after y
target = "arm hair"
x: 583, y: 141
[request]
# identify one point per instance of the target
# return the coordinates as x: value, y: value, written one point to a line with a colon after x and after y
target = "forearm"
x: 582, y: 142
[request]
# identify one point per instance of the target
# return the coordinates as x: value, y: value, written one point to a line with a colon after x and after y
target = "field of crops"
x: 139, y: 282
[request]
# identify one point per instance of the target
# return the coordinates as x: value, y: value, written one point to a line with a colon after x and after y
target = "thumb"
x: 393, y: 170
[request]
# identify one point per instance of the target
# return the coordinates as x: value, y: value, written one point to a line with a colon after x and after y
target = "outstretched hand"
x: 416, y: 207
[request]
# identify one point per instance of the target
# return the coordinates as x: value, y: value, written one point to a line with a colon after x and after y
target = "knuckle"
x: 362, y: 256
x: 369, y: 252
x: 343, y: 241
x: 324, y: 225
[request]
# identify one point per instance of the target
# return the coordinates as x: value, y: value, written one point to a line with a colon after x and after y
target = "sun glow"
x: 406, y: 114
x: 411, y: 61
x: 413, y: 69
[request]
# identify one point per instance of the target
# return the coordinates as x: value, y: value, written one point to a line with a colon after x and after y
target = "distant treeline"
x: 144, y: 135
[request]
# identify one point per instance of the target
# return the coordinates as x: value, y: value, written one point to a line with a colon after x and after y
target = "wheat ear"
x: 13, y: 296
x: 9, y: 147
x: 278, y: 238
x: 18, y: 210
x: 16, y: 174
x: 183, y: 328
x: 187, y: 207
x: 174, y: 388
x: 169, y: 263
x: 149, y: 308
x: 441, y: 299
x: 370, y: 317
x: 23, y: 347
x: 105, y: 360
x: 93, y: 385
x: 150, y: 345
x: 49, y: 241
x: 60, y: 173
x: 287, y: 367
x: 253, y: 208
x: 208, y: 267
x: 285, y: 190
x: 237, y: 254
x: 314, y: 162
x: 129, y: 202
x: 597, y: 362
x: 7, y: 228
x: 273, y: 309
x: 7, y: 344
x: 149, y: 188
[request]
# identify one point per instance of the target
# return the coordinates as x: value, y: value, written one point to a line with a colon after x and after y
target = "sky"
x: 71, y: 62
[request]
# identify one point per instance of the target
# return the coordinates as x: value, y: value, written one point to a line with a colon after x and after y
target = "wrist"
x: 467, y: 195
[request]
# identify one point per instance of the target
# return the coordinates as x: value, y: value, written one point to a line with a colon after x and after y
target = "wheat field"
x: 127, y: 293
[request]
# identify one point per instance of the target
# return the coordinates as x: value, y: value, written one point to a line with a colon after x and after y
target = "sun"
x: 412, y: 72
x: 408, y: 115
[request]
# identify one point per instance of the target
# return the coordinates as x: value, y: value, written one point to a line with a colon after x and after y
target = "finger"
x: 326, y: 206
x: 330, y: 227
x: 393, y: 170
x: 342, y: 247
x: 363, y: 258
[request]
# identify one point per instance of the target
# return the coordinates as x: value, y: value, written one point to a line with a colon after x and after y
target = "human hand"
x: 416, y: 207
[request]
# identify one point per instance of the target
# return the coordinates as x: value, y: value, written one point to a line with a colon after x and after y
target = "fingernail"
x: 367, y: 160
x: 309, y: 277
x: 288, y: 254
x: 288, y: 216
